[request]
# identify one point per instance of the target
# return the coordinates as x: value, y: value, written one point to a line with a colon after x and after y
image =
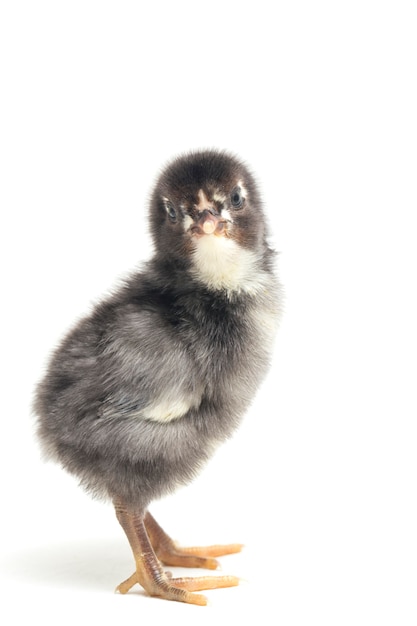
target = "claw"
x: 170, y: 553
x: 142, y: 532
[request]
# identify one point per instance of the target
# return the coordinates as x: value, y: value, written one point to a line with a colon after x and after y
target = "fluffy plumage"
x: 142, y: 390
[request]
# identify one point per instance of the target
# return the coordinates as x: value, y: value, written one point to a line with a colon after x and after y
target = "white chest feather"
x: 221, y: 264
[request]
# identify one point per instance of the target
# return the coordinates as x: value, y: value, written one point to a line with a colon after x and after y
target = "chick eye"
x: 171, y: 211
x: 237, y: 198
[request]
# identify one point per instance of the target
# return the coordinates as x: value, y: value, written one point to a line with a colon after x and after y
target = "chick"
x: 142, y: 390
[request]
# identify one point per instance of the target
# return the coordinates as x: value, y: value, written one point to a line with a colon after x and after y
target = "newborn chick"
x: 142, y: 390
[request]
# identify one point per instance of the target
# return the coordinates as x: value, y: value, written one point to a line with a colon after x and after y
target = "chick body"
x: 142, y: 390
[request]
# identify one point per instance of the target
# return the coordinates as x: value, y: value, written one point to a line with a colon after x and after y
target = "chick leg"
x: 149, y: 573
x: 169, y: 553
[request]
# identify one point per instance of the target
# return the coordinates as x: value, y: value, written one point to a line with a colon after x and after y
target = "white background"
x: 320, y: 482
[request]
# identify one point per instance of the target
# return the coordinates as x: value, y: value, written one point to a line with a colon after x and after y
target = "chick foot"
x: 149, y: 573
x: 174, y: 585
x: 170, y: 553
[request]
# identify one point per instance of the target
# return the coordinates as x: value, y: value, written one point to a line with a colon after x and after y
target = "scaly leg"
x: 170, y: 554
x: 149, y: 573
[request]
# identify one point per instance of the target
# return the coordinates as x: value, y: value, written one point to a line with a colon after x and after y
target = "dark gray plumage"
x: 142, y: 390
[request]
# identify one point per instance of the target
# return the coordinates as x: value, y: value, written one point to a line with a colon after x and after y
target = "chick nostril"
x: 209, y: 211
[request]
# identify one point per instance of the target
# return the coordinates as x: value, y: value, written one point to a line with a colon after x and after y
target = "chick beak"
x: 209, y: 223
